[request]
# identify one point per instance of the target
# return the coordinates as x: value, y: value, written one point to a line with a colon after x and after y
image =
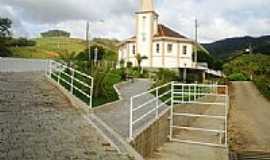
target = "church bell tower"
x: 147, y: 24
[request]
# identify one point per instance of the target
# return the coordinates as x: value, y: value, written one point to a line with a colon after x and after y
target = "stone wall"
x: 153, y: 136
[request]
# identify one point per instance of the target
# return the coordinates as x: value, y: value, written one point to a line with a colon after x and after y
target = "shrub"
x: 238, y: 77
x: 129, y: 64
x: 55, y: 33
x: 263, y: 84
x: 4, y: 52
x: 164, y: 76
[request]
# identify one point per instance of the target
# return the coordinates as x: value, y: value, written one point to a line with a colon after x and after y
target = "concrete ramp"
x: 184, y: 151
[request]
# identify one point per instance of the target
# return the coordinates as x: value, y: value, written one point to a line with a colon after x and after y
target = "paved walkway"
x: 37, y: 122
x: 116, y: 115
x: 22, y: 65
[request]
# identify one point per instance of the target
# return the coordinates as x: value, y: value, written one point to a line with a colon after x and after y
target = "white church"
x: 163, y: 47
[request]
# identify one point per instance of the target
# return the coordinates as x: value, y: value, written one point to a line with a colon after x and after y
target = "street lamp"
x: 88, y: 39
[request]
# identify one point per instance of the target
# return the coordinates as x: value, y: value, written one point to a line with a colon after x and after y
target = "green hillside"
x: 50, y: 47
x: 234, y: 46
x: 255, y: 67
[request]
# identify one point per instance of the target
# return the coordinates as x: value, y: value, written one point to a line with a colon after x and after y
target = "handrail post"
x: 189, y: 95
x: 59, y: 74
x: 183, y: 93
x: 91, y: 93
x: 72, y: 80
x: 195, y: 92
x: 131, y: 119
x: 50, y: 69
x: 227, y: 105
x: 171, y: 116
x: 157, y: 98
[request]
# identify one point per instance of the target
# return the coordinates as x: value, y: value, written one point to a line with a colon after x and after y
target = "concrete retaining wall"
x: 153, y: 136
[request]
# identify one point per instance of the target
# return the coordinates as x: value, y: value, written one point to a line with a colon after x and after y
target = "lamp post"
x: 196, y: 41
x: 88, y: 37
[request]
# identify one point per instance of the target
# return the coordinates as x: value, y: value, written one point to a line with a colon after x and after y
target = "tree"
x: 5, y: 25
x: 139, y: 60
x: 55, y: 33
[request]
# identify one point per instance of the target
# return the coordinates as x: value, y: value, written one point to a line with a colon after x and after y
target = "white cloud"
x: 217, y: 18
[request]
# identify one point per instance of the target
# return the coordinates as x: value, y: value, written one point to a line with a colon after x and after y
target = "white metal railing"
x: 179, y: 93
x: 72, y: 80
x: 148, y: 107
x: 196, y: 94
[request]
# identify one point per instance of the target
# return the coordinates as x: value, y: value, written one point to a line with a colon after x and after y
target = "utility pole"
x: 87, y: 31
x: 196, y: 41
x: 58, y: 41
x: 88, y: 39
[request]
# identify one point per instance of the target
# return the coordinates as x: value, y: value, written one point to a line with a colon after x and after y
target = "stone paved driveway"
x: 38, y: 123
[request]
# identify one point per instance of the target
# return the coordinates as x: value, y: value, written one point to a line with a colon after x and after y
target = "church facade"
x: 162, y: 46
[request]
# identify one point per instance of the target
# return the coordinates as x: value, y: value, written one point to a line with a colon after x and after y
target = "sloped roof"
x: 164, y: 31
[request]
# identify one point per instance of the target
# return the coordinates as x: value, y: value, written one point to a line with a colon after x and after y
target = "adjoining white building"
x: 163, y: 47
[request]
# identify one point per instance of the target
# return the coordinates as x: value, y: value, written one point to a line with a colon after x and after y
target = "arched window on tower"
x: 144, y: 29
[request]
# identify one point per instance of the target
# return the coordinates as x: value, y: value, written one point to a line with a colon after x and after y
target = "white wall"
x: 145, y: 35
x: 174, y: 59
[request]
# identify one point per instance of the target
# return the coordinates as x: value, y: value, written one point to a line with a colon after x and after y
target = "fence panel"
x: 147, y: 106
x: 191, y: 114
x: 77, y: 83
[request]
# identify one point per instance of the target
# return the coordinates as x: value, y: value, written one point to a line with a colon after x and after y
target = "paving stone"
x: 37, y: 122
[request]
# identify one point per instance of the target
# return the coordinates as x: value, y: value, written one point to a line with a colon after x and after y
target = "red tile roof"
x: 164, y: 31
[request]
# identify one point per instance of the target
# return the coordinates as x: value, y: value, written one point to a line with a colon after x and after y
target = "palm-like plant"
x: 139, y: 60
x: 68, y: 58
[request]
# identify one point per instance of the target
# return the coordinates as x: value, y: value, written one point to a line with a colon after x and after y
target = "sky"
x: 218, y: 19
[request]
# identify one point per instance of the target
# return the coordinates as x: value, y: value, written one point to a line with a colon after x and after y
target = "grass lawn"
x: 49, y: 47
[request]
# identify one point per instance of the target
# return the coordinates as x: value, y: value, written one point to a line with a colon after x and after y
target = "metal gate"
x: 199, y: 114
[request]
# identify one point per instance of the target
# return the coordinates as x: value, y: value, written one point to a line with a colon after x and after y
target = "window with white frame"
x: 169, y: 48
x: 184, y: 50
x: 134, y: 49
x: 158, y: 48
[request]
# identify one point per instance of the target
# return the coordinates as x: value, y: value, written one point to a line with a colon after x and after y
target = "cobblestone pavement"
x: 116, y: 115
x: 38, y: 123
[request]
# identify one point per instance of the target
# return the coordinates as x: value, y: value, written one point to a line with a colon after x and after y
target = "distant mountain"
x: 234, y: 46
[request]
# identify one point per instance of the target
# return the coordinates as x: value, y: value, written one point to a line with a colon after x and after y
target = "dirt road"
x: 249, y: 119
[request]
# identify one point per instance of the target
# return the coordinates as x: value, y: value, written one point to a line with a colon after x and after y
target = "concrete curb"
x: 76, y: 102
x: 118, y: 93
x: 122, y: 144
